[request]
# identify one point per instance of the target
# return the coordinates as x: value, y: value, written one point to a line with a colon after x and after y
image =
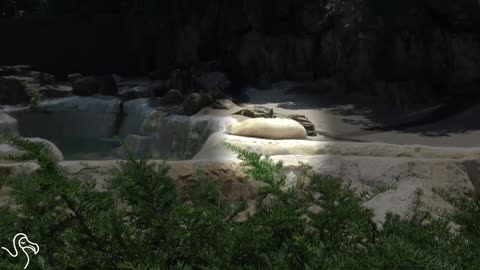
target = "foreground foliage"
x: 140, y: 221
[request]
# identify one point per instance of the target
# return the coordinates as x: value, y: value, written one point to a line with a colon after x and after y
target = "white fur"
x: 267, y: 128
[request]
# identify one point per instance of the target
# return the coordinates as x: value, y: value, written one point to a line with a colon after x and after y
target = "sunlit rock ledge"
x: 214, y: 148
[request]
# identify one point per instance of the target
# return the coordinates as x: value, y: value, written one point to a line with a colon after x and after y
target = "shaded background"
x: 407, y: 52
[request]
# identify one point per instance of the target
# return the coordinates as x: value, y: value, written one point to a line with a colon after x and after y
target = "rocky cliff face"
x: 407, y: 51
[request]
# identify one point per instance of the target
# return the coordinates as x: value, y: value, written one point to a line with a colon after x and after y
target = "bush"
x: 141, y: 222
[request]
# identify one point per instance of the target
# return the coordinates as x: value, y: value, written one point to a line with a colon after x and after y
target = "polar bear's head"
x: 228, y: 125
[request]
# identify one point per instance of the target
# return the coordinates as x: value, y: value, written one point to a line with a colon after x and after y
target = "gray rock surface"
x: 151, y: 127
x: 8, y: 151
x: 18, y: 84
x: 8, y: 124
x: 214, y: 83
x: 173, y: 96
x: 91, y: 85
x: 195, y: 102
x: 214, y: 147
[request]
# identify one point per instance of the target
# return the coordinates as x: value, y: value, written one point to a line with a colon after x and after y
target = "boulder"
x: 8, y: 152
x: 224, y: 104
x: 214, y: 83
x: 55, y: 152
x: 74, y: 77
x: 160, y: 87
x: 256, y: 112
x: 135, y: 90
x: 41, y: 77
x: 135, y: 113
x: 264, y: 112
x: 55, y: 91
x: 8, y: 124
x: 195, y: 102
x: 91, y: 85
x: 303, y: 120
x: 27, y: 71
x: 15, y: 70
x: 173, y: 96
x: 24, y: 84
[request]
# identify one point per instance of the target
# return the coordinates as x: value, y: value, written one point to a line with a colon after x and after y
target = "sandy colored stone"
x: 215, y: 148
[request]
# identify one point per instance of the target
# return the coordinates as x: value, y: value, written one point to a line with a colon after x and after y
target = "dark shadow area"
x: 456, y: 114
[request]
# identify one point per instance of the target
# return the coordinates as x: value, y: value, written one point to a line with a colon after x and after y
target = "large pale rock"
x: 8, y: 124
x: 91, y: 85
x: 170, y: 136
x: 135, y: 89
x: 8, y: 151
x: 215, y: 147
x: 56, y: 154
x: 195, y: 102
x: 135, y: 112
x: 404, y: 175
x: 70, y: 117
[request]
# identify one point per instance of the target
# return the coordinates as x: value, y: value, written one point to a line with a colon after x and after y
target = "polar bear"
x: 267, y: 128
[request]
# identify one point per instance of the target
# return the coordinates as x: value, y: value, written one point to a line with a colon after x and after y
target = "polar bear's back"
x: 268, y: 128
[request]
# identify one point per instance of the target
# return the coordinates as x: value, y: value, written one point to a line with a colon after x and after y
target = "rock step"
x: 215, y: 148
